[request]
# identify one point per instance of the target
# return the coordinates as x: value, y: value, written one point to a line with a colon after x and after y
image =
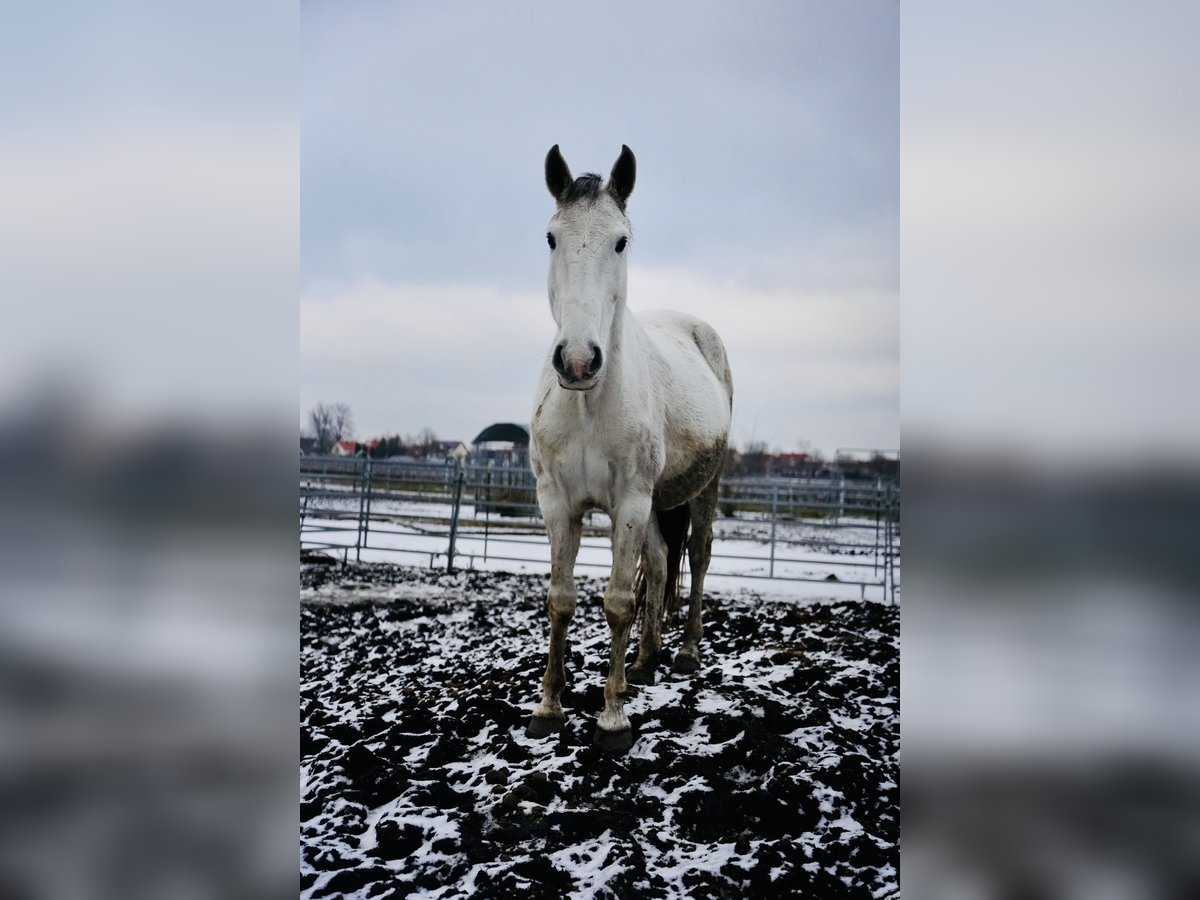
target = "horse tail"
x: 673, y: 525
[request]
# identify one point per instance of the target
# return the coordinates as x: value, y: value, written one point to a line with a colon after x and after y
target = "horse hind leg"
x: 652, y: 579
x: 703, y: 509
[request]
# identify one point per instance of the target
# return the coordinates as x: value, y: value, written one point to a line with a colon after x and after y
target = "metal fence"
x: 830, y: 529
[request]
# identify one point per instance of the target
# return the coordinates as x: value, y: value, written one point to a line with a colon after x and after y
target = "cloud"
x: 767, y: 201
x: 424, y: 131
x: 821, y: 367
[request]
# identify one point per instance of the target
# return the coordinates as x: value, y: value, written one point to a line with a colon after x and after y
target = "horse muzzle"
x: 578, y: 371
x: 581, y: 385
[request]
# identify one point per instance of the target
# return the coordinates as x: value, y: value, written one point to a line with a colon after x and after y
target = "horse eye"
x: 621, y: 245
x: 550, y: 240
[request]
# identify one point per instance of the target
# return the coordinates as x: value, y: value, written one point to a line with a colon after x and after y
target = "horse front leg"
x: 613, y: 731
x: 564, y: 528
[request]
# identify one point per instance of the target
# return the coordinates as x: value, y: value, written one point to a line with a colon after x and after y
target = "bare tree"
x: 755, y: 456
x: 330, y: 423
x: 428, y: 440
x: 320, y: 423
x: 343, y: 422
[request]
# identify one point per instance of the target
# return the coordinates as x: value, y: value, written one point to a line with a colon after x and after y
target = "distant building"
x: 502, y: 444
x: 453, y: 450
x: 435, y: 451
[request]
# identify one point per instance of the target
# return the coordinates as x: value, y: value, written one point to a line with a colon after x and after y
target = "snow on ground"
x: 840, y: 556
x: 770, y: 772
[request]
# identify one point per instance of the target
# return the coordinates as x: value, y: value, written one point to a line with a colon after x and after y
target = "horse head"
x: 588, y: 236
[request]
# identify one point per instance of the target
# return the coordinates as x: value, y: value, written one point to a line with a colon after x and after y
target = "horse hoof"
x: 614, y: 741
x: 636, y: 674
x: 544, y: 726
x: 686, y: 663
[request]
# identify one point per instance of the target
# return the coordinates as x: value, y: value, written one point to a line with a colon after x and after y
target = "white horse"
x: 632, y: 416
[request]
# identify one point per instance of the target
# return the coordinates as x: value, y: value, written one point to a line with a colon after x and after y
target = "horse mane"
x: 585, y: 187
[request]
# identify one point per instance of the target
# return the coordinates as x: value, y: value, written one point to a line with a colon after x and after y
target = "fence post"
x: 362, y: 499
x: 878, y: 511
x: 895, y: 534
x: 369, y: 489
x: 889, y: 560
x: 458, y: 489
x: 487, y: 509
x: 774, y: 520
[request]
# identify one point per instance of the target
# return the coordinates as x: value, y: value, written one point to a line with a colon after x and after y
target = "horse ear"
x: 558, y: 176
x: 624, y: 171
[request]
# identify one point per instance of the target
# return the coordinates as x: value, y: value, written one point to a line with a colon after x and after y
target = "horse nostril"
x: 559, y: 366
x: 597, y: 361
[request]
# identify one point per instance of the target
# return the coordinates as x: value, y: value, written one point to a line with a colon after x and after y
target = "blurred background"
x: 1050, y: 680
x: 149, y: 171
x: 148, y: 393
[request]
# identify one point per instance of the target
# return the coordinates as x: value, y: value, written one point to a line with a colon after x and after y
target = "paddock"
x: 772, y: 771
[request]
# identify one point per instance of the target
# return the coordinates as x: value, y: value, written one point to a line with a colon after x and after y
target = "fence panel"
x: 830, y: 529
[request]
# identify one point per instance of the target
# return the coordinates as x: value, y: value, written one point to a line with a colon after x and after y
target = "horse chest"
x: 594, y: 477
x: 582, y: 459
x: 588, y: 475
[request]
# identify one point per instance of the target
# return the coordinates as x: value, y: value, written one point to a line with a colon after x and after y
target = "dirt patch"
x: 772, y: 771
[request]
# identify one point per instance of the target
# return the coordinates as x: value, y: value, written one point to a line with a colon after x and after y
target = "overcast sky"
x: 767, y: 201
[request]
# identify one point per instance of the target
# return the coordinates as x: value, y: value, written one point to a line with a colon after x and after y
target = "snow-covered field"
x: 771, y: 772
x: 843, y: 557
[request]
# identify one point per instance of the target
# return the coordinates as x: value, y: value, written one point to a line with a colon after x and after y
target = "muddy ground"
x: 771, y: 772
